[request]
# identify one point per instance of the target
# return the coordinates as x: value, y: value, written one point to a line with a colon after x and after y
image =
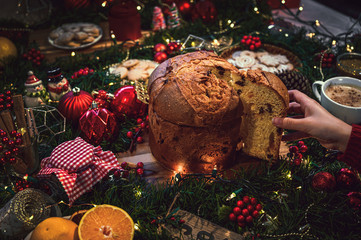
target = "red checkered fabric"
x: 78, y: 165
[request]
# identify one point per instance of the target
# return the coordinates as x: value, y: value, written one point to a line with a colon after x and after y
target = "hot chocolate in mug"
x: 341, y: 96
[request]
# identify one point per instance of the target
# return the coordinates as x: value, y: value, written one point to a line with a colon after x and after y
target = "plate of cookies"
x: 270, y: 58
x: 73, y: 36
x: 133, y: 69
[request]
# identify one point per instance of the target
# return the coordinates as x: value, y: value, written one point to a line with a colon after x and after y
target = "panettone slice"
x: 264, y: 97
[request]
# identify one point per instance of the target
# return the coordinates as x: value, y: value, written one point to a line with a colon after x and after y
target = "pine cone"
x: 295, y: 80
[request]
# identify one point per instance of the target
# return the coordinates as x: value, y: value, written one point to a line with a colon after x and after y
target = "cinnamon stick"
x: 29, y: 156
x: 8, y: 120
x: 2, y: 125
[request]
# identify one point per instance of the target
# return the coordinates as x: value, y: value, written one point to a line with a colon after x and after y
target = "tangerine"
x: 106, y: 222
x: 7, y: 49
x: 55, y: 228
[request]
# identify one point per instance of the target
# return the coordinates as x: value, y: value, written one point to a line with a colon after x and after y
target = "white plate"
x: 51, y: 41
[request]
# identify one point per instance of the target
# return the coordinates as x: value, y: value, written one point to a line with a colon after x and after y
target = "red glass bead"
x: 124, y: 165
x: 232, y: 217
x: 19, y: 141
x: 140, y: 171
x: 13, y: 133
x: 140, y: 165
x: 5, y: 140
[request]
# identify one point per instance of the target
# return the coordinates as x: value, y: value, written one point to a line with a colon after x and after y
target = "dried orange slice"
x: 106, y: 222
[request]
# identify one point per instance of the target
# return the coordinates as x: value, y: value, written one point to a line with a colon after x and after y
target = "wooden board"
x: 199, y: 228
x: 155, y: 172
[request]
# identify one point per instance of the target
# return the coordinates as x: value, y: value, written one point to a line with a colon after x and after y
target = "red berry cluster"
x: 82, y: 72
x: 34, y: 56
x: 22, y: 184
x: 246, y: 211
x: 137, y: 131
x: 6, y: 101
x: 328, y: 59
x: 156, y: 221
x: 103, y: 99
x: 252, y: 42
x: 124, y: 172
x: 9, y: 147
x: 296, y: 151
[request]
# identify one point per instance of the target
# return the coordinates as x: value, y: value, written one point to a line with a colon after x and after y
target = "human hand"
x: 312, y: 120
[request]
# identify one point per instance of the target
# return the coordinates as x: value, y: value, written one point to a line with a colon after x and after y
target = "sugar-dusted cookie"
x: 65, y: 38
x: 248, y: 53
x: 236, y: 54
x: 269, y: 60
x: 80, y: 36
x: 130, y: 63
x: 245, y: 61
x: 137, y: 74
x: 120, y: 71
x: 284, y: 67
x: 260, y: 67
x: 89, y: 39
x: 282, y: 59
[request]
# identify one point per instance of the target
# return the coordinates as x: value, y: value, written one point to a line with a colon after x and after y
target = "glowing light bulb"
x: 232, y: 25
x: 72, y: 54
x: 255, y: 9
x: 139, y: 8
x: 104, y: 4
x: 229, y: 21
x: 112, y: 35
x: 300, y: 8
x: 283, y: 2
x: 317, y: 23
x: 334, y: 42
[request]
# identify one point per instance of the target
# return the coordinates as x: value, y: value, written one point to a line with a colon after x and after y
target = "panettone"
x: 264, y: 96
x: 198, y: 106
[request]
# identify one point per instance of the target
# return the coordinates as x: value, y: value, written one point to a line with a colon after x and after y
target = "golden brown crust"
x: 190, y: 90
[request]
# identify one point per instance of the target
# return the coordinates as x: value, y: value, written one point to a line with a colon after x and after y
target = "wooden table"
x: 40, y: 37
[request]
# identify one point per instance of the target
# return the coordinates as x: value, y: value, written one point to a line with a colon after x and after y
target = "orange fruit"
x: 106, y: 222
x: 55, y: 228
x: 7, y: 49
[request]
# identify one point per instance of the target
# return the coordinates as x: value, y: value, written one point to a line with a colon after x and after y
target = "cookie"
x: 130, y: 63
x: 285, y: 67
x: 248, y: 53
x: 282, y: 59
x: 231, y: 61
x: 89, y: 39
x: 93, y: 31
x: 120, y: 71
x: 56, y: 33
x: 80, y: 36
x: 269, y: 60
x: 245, y: 61
x: 137, y: 74
x: 260, y: 67
x: 65, y: 38
x: 236, y: 54
x: 73, y: 44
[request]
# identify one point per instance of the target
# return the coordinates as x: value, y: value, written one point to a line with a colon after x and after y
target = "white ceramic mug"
x: 350, y: 115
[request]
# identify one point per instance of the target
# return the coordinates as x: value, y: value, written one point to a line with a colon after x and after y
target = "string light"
x: 283, y: 2
x: 136, y: 227
x: 72, y: 54
x: 255, y: 9
x: 334, y: 42
x: 104, y: 4
x: 232, y: 25
x: 286, y: 34
x: 234, y: 194
x: 139, y: 8
x: 300, y: 8
x: 310, y: 35
x: 317, y: 23
x: 229, y: 21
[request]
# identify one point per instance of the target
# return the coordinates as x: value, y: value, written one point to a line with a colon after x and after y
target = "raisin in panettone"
x: 197, y: 108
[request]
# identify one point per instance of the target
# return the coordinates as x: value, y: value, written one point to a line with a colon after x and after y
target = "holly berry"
x: 124, y: 165
x: 34, y: 56
x: 240, y: 204
x: 3, y: 133
x: 5, y: 140
x: 82, y: 72
x: 303, y: 148
x: 129, y: 134
x: 15, y: 150
x: 241, y: 224
x: 140, y: 140
x: 259, y: 207
x: 125, y: 173
x: 245, y: 212
x: 140, y: 171
x: 241, y: 218
x: 11, y: 143
x: 255, y: 214
x: 232, y: 217
x: 143, y: 125
x: 1, y: 148
x: 139, y: 120
x: 140, y: 165
x: 246, y: 199
x: 117, y: 174
x: 250, y: 208
x: 18, y: 135
x: 293, y: 149
x: 18, y: 141
x: 253, y: 201
x: 160, y: 47
x: 237, y: 211
x: 13, y: 133
x: 249, y: 219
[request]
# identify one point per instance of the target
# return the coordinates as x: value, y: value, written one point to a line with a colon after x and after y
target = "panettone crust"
x: 191, y: 90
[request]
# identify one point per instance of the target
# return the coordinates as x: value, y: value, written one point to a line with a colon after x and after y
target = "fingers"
x: 288, y: 123
x: 295, y: 108
x: 295, y: 136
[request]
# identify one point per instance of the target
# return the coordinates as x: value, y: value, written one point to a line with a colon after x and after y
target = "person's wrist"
x: 345, y: 133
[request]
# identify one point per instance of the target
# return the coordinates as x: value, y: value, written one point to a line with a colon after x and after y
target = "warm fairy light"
x: 97, y: 58
x: 300, y: 8
x: 283, y: 1
x: 317, y: 23
x: 111, y: 84
x: 193, y: 44
x: 215, y: 42
x: 167, y: 40
x: 139, y: 8
x: 31, y: 217
x: 334, y: 42
x: 232, y: 25
x: 310, y: 35
x: 26, y: 177
x: 299, y: 188
x: 136, y: 226
x: 286, y: 34
x: 112, y: 35
x: 349, y: 48
x: 255, y: 9
x: 233, y: 195
x: 314, y: 67
x: 104, y: 4
x: 72, y: 54
x: 229, y: 21
x: 271, y: 26
x: 289, y: 175
x: 280, y: 30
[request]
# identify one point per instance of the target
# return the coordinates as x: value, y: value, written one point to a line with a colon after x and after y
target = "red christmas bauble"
x: 160, y: 47
x: 74, y: 104
x: 323, y: 181
x: 125, y: 102
x: 346, y: 178
x: 97, y: 124
x: 185, y: 8
x: 160, y: 57
x: 172, y: 47
x: 205, y: 10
